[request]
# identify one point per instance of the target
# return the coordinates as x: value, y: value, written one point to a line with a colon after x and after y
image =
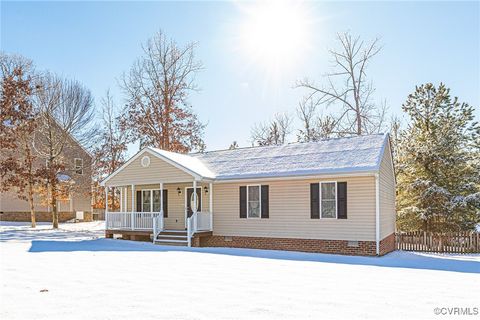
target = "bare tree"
x: 111, y: 148
x: 395, y: 135
x: 349, y: 88
x: 65, y: 113
x: 157, y: 89
x: 274, y: 132
x: 314, y: 126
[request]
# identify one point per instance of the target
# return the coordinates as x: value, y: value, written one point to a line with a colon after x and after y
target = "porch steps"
x: 172, y: 238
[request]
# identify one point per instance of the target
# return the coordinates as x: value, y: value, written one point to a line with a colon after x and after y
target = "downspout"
x: 377, y: 215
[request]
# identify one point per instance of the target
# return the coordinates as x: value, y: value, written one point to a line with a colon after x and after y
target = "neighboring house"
x: 335, y: 196
x: 78, y: 173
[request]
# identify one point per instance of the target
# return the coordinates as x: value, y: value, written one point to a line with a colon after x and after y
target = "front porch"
x: 166, y: 213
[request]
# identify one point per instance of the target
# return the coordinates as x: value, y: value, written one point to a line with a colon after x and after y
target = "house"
x: 77, y: 204
x: 333, y: 196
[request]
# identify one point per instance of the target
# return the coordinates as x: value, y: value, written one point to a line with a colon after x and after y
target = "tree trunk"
x: 30, y: 201
x: 54, y: 205
x: 359, y: 124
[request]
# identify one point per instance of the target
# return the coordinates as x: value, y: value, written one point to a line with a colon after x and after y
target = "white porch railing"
x: 158, y: 226
x: 199, y: 221
x: 131, y: 220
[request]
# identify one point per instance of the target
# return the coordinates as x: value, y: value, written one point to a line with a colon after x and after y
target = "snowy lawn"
x: 84, y: 276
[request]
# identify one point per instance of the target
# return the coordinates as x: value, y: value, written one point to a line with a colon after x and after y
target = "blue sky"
x: 94, y: 42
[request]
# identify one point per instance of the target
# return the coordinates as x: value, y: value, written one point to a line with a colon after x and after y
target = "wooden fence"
x: 456, y: 242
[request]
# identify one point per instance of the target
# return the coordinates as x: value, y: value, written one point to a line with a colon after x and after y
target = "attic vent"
x: 145, y: 161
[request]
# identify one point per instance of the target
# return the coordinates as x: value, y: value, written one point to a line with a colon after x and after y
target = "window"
x: 328, y: 199
x: 150, y: 199
x: 253, y: 202
x: 146, y: 194
x: 78, y: 166
x: 156, y: 200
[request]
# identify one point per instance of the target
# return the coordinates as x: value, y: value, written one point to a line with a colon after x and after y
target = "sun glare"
x: 275, y: 34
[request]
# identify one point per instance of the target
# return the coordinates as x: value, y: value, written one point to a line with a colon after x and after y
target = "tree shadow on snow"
x: 397, y: 259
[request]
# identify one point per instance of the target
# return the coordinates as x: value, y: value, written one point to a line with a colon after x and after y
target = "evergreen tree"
x: 438, y: 163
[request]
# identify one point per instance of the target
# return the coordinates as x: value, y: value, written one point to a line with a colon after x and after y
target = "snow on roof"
x: 353, y: 154
x: 187, y: 162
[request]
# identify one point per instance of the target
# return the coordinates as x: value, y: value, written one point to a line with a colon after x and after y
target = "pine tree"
x: 438, y: 163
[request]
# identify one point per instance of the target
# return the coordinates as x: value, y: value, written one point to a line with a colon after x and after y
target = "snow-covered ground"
x: 75, y: 273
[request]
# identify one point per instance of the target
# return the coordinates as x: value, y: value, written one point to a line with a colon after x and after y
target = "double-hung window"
x: 78, y: 165
x: 150, y: 200
x: 146, y: 198
x: 156, y: 201
x: 328, y: 199
x: 253, y: 202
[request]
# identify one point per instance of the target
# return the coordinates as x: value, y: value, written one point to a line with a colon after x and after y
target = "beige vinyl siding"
x: 158, y: 171
x: 176, y: 202
x: 82, y: 202
x: 289, y: 202
x: 9, y: 202
x: 387, y: 194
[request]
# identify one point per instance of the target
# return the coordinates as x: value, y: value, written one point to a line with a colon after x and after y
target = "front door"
x: 189, y: 201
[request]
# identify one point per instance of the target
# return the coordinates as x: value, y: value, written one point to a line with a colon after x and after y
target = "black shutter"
x: 265, y: 202
x: 139, y: 201
x: 243, y: 202
x: 342, y: 200
x: 165, y: 203
x: 314, y: 201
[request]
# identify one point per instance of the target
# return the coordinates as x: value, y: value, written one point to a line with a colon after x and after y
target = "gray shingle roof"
x: 342, y: 155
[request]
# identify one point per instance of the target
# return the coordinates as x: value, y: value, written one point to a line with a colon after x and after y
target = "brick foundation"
x: 387, y: 244
x: 42, y: 216
x: 130, y: 235
x: 364, y: 248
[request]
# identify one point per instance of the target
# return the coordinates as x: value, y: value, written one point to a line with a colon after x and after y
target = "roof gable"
x: 160, y: 169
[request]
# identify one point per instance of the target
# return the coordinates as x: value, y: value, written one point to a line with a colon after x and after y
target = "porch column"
x: 125, y: 198
x: 194, y: 209
x: 132, y: 220
x: 161, y: 199
x: 210, y: 202
x: 121, y: 199
x: 106, y: 207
